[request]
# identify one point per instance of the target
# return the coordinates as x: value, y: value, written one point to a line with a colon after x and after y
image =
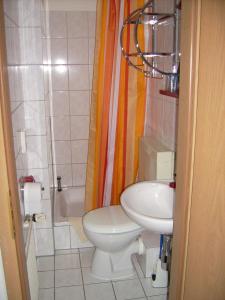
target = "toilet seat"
x: 111, y: 219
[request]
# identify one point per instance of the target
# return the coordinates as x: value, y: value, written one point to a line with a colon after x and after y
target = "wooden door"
x: 11, y: 237
x: 198, y: 262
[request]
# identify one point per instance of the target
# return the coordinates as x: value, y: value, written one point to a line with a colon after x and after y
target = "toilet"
x: 116, y: 238
x: 114, y: 234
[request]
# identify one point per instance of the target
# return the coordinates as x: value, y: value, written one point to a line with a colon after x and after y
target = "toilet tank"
x: 156, y: 162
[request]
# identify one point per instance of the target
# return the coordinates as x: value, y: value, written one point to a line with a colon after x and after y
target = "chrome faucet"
x: 59, y: 186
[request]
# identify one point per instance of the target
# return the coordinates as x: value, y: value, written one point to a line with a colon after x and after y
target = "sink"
x: 150, y: 204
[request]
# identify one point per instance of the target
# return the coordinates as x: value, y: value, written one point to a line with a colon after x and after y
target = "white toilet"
x: 114, y: 234
x: 116, y: 237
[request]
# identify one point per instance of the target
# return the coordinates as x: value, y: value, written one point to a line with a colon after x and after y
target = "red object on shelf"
x: 172, y: 185
x: 170, y: 94
x: 29, y: 178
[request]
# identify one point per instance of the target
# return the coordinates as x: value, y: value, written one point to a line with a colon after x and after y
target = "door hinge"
x: 13, y: 227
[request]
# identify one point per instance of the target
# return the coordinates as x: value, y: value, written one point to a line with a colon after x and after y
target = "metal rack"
x: 148, y: 17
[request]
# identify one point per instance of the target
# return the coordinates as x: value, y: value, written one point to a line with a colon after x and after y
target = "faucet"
x: 59, y: 186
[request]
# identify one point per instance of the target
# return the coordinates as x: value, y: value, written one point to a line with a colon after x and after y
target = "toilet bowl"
x: 116, y: 238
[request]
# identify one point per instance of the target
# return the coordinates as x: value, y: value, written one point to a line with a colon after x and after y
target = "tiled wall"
x: 161, y: 114
x: 50, y: 65
x: 69, y: 54
x: 28, y: 92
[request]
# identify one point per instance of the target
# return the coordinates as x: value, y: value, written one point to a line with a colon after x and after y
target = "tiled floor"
x: 66, y: 276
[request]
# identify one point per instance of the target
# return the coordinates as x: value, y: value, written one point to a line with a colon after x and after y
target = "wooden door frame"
x: 190, y: 33
x: 198, y: 263
x: 11, y: 234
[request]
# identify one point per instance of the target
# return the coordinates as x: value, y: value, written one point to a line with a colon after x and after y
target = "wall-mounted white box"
x: 156, y: 162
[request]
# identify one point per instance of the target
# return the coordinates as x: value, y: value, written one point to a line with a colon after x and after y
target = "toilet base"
x: 114, y: 266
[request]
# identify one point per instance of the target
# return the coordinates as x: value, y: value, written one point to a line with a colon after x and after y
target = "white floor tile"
x: 69, y: 293
x: 150, y: 290
x: 46, y: 279
x: 100, y: 291
x: 128, y: 289
x: 68, y: 277
x: 89, y: 278
x: 45, y: 263
x: 86, y: 255
x: 68, y: 261
x: 66, y: 251
x: 160, y: 297
x: 46, y: 294
x: 137, y: 266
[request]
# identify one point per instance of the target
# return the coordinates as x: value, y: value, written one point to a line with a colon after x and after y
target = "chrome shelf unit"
x: 147, y: 16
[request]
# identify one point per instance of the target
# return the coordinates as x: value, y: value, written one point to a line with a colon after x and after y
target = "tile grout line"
x: 82, y: 276
x: 113, y: 290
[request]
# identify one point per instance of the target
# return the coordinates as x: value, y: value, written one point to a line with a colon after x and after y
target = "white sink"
x: 150, y: 204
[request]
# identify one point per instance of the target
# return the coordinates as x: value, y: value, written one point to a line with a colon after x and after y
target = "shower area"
x: 50, y: 53
x: 68, y: 54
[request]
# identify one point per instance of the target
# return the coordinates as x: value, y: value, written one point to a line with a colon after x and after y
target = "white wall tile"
x: 90, y: 70
x: 79, y: 103
x: 79, y: 127
x: 58, y: 51
x: 26, y: 83
x: 29, y: 13
x: 77, y: 23
x: 12, y: 11
x: 79, y: 151
x: 60, y: 103
x: 78, y: 51
x: 60, y: 78
x: 18, y: 121
x: 91, y: 24
x: 62, y: 152
x: 12, y: 45
x: 78, y: 77
x: 91, y: 50
x: 79, y: 174
x: 62, y: 237
x: 61, y: 128
x: 37, y: 152
x: 34, y: 113
x: 30, y: 45
x: 57, y: 24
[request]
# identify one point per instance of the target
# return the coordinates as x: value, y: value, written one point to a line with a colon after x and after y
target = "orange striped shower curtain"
x: 117, y: 109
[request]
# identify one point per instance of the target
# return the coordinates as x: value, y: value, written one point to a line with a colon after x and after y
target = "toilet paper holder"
x: 24, y: 179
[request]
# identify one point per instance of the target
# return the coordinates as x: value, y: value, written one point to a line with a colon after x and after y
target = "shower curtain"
x: 117, y: 109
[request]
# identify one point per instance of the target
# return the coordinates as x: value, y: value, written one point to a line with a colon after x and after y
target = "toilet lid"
x: 111, y: 219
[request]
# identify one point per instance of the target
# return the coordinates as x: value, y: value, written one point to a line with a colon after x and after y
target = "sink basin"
x: 150, y: 204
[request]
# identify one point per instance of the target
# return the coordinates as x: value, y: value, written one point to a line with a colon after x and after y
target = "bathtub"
x: 68, y: 203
